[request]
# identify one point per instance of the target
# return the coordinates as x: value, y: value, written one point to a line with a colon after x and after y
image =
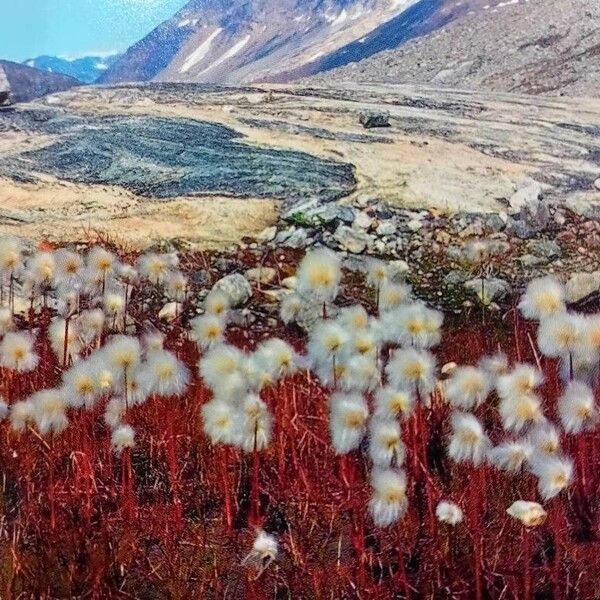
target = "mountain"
x: 241, y: 41
x: 86, y: 68
x: 527, y: 46
x: 20, y: 83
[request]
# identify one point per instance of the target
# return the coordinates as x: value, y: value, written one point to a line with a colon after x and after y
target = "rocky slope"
x: 277, y: 40
x: 25, y: 83
x: 86, y: 69
x: 534, y: 47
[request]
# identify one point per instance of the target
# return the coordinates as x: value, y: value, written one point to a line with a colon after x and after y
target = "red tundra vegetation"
x: 387, y: 453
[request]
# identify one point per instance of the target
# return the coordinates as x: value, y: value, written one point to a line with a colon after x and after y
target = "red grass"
x: 174, y: 517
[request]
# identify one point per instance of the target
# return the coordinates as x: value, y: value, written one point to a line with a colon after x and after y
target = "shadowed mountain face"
x: 27, y: 83
x: 168, y: 158
x: 238, y: 41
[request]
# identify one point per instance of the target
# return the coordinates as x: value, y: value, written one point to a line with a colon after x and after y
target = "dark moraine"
x: 168, y: 158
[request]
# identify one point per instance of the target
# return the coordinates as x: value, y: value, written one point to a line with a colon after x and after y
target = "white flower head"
x: 449, y: 513
x: 543, y: 297
x: 388, y: 501
x: 468, y: 442
x: 531, y: 514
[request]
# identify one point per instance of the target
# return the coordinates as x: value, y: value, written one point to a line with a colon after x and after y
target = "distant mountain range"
x: 20, y: 83
x: 238, y: 41
x: 527, y: 46
x: 86, y: 69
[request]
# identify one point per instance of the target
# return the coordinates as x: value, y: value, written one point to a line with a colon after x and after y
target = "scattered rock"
x: 290, y: 282
x: 352, y: 240
x: 493, y: 288
x: 261, y: 275
x: 363, y: 220
x: 371, y: 119
x: 548, y: 249
x: 386, y: 228
x: 529, y: 192
x: 294, y: 237
x: 237, y: 287
x: 582, y: 285
x: 267, y: 235
x: 597, y: 183
x: 170, y: 311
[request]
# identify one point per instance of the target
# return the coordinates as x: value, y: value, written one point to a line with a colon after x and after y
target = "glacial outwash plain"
x: 216, y: 164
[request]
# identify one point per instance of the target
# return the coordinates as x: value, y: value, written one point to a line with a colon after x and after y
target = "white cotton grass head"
x: 377, y: 272
x: 17, y: 352
x: 530, y: 514
x: 11, y: 255
x: 494, y: 365
x: 518, y: 412
x: 276, y: 357
x: 101, y: 261
x: 468, y: 441
x: 7, y: 322
x: 49, y: 411
x: 363, y: 342
x: 412, y: 369
x: 577, y: 408
x: 21, y: 415
x: 561, y: 335
x: 544, y: 438
x: 415, y: 325
x: 258, y: 374
x: 291, y: 308
x: 394, y: 403
x: 153, y: 339
x: 354, y: 318
x: 123, y: 354
x: 176, y: 285
x: 122, y: 438
x: 522, y: 380
x: 154, y: 267
x: 348, y: 414
x: 467, y: 387
x: 476, y: 252
x: 543, y: 297
x: 91, y: 324
x: 217, y: 303
x: 554, y: 473
x: 361, y: 374
x: 386, y: 448
x: 141, y: 384
x: 393, y: 295
x: 127, y: 274
x: 264, y: 551
x: 319, y: 274
x: 67, y: 300
x: 255, y: 425
x: 326, y: 340
x: 167, y: 374
x: 113, y: 304
x: 511, y: 455
x: 207, y: 330
x: 219, y: 421
x: 41, y: 268
x: 61, y: 335
x: 388, y: 501
x: 81, y: 386
x: 449, y: 513
x: 69, y: 266
x: 114, y: 412
x: 221, y: 363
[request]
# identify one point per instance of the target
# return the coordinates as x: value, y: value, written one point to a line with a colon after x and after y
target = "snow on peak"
x: 199, y: 53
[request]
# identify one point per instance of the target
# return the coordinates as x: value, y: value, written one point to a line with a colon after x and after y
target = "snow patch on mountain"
x: 200, y: 52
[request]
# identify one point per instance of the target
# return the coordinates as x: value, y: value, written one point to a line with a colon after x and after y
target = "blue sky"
x: 29, y: 28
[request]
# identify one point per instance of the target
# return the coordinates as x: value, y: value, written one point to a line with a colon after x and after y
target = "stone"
x: 170, y: 311
x: 294, y: 237
x: 597, y: 183
x: 236, y: 287
x: 456, y: 276
x: 414, y: 225
x: 261, y: 275
x: 529, y: 260
x: 201, y: 277
x: 493, y: 288
x: 582, y: 285
x: 352, y: 240
x: 386, y: 228
x: 519, y: 229
x: 371, y: 119
x: 290, y: 282
x: 544, y: 248
x: 363, y: 220
x: 528, y: 192
x: 267, y: 235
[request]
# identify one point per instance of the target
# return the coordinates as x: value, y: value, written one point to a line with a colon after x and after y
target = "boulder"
x: 236, y: 287
x: 370, y: 119
x: 352, y: 240
x: 261, y: 275
x: 582, y: 285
